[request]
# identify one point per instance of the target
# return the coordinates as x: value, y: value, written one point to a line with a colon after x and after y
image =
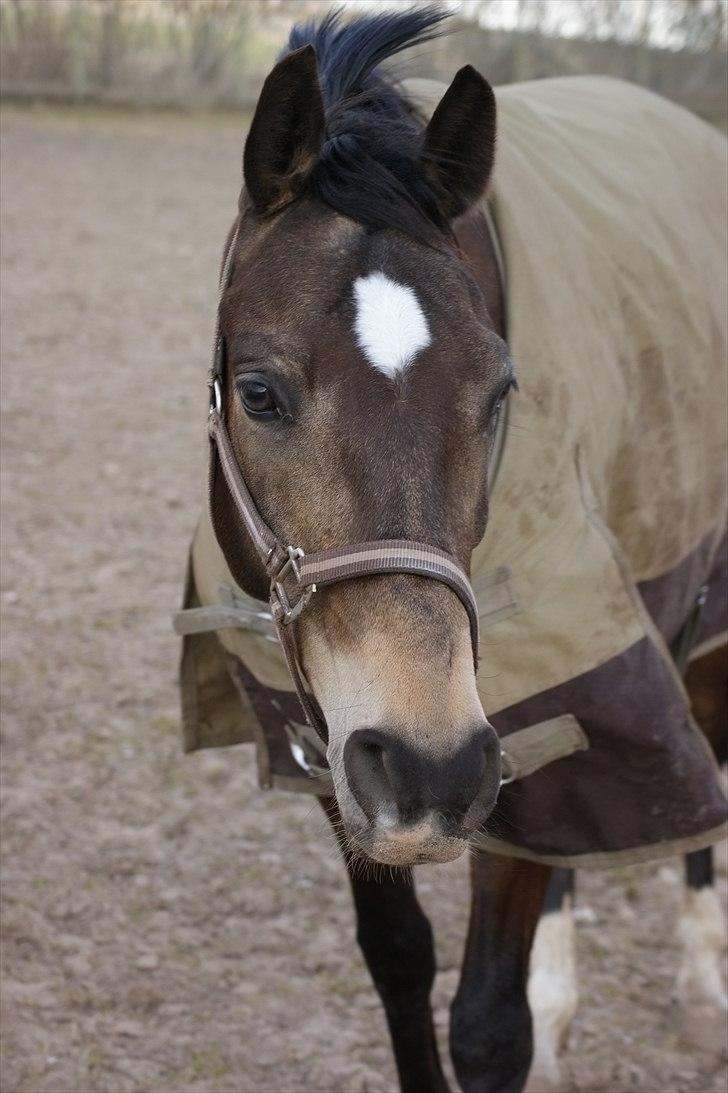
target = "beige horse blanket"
x: 608, y: 510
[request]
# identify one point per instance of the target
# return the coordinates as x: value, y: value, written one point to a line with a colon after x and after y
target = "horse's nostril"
x: 364, y: 766
x: 390, y: 778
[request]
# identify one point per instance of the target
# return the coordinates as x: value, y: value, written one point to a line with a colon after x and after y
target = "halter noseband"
x: 295, y: 575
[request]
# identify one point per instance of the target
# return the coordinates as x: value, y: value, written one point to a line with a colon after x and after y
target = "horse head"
x: 364, y: 383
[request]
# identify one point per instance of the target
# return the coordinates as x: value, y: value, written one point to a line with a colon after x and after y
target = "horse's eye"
x: 258, y: 399
x: 498, y: 404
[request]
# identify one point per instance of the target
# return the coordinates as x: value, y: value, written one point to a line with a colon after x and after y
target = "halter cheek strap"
x: 295, y: 575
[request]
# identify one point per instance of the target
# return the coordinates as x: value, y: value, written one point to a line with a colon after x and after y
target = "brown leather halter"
x: 295, y: 575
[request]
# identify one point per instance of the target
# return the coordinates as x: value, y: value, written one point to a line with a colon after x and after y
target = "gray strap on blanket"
x: 203, y: 620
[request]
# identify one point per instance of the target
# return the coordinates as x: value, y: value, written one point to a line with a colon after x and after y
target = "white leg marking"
x: 390, y: 325
x: 702, y: 933
x: 552, y: 993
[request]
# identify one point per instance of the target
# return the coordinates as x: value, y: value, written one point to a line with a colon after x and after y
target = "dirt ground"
x: 167, y: 926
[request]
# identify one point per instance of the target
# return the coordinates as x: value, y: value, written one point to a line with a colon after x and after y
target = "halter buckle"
x: 281, y: 606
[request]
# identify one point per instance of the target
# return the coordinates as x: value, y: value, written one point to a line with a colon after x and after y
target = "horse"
x: 361, y: 385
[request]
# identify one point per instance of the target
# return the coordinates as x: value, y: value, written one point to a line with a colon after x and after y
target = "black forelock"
x: 370, y: 165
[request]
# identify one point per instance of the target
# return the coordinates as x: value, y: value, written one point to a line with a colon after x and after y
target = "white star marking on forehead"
x: 390, y: 326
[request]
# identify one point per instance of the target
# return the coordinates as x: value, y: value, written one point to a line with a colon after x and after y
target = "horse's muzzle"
x: 416, y: 800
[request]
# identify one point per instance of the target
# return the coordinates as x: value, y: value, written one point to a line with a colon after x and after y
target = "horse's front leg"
x: 491, y: 1039
x: 396, y: 940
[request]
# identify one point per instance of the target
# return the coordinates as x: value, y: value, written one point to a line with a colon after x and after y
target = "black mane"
x: 370, y: 167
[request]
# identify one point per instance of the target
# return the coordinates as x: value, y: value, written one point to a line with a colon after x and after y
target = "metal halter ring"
x: 508, y: 778
x: 216, y: 396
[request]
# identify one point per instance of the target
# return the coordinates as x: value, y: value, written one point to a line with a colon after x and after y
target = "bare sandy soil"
x: 167, y: 926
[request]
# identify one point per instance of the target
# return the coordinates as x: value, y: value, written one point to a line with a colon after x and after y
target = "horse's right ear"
x: 287, y: 131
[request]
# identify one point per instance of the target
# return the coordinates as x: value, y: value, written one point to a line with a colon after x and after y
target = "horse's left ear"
x: 459, y: 144
x: 286, y: 133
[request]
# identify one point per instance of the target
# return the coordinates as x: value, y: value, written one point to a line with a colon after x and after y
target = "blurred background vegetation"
x: 202, y: 54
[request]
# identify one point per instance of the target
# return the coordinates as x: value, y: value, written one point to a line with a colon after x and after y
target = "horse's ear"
x: 459, y: 143
x: 286, y: 133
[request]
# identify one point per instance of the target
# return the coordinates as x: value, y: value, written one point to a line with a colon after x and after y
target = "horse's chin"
x: 418, y: 844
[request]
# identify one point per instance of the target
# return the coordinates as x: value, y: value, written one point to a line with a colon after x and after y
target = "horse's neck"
x: 474, y: 237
